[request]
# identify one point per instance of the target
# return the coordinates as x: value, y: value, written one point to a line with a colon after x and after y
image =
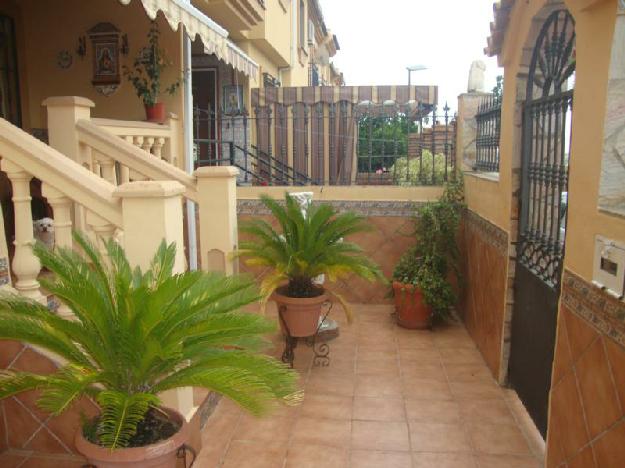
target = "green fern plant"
x: 304, y: 247
x: 139, y: 333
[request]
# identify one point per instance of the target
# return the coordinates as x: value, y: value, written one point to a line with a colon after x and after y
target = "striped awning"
x: 198, y: 25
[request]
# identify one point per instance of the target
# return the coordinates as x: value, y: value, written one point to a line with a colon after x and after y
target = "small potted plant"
x: 421, y: 280
x: 145, y: 76
x: 308, y: 244
x: 135, y: 335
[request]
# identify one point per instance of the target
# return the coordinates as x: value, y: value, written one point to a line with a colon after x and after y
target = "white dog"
x: 43, y: 230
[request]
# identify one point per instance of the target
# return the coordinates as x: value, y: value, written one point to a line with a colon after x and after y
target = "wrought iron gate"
x: 542, y: 225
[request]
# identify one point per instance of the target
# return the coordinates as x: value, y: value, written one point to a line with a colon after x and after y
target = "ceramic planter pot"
x: 159, y: 455
x: 300, y: 314
x: 155, y: 113
x: 412, y: 311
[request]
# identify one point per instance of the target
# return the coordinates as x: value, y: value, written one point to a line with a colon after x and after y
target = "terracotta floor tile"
x: 414, y: 339
x: 378, y: 435
x: 423, y: 371
x: 420, y: 355
x: 269, y: 429
x: 327, y: 406
x: 373, y: 459
x: 438, y: 437
x: 476, y: 390
x: 461, y: 356
x: 377, y: 386
x: 378, y: 366
x: 425, y: 389
x: 334, y: 385
x: 491, y: 411
x: 444, y: 460
x: 316, y: 456
x: 468, y: 373
x: 498, y: 439
x: 379, y: 409
x: 433, y: 411
x: 319, y: 431
x: 244, y: 454
x: 507, y: 461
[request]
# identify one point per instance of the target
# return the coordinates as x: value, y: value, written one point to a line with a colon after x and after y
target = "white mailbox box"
x: 609, y: 266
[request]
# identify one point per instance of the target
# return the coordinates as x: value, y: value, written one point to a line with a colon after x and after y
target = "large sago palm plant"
x: 308, y: 243
x: 139, y: 333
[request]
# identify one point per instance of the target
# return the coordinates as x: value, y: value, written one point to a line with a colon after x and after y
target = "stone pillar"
x: 466, y: 131
x: 63, y: 113
x: 217, y: 200
x: 151, y: 212
x: 26, y: 266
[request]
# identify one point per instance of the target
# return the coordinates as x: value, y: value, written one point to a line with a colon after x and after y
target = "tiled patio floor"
x: 391, y: 398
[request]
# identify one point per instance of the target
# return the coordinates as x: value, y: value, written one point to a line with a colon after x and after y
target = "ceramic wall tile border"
x: 365, y: 207
x: 489, y: 232
x: 605, y: 313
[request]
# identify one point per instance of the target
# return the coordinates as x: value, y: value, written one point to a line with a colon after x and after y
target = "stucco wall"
x: 41, y: 77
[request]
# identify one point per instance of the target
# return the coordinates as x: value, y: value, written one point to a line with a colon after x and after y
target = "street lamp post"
x: 414, y: 68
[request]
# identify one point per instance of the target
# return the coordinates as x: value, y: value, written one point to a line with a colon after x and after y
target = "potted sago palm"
x: 146, y: 73
x: 309, y: 243
x: 136, y: 334
x: 421, y: 280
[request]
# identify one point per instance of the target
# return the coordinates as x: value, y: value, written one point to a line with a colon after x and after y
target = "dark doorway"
x: 542, y: 227
x: 9, y: 81
x: 205, y: 108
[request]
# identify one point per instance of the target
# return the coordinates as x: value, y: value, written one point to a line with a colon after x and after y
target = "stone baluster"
x: 148, y: 143
x: 26, y: 266
x: 138, y: 141
x: 157, y: 148
x: 102, y: 229
x: 62, y: 208
x: 124, y: 171
x: 108, y: 169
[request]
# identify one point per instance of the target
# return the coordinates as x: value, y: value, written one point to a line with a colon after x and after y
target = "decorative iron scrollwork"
x: 546, y: 149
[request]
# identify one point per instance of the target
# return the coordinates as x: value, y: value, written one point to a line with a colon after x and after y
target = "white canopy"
x: 197, y: 24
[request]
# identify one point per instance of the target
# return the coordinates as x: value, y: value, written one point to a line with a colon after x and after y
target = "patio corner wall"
x: 389, y: 211
x: 484, y: 248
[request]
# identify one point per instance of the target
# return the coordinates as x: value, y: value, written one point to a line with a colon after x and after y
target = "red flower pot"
x: 412, y: 310
x: 155, y: 113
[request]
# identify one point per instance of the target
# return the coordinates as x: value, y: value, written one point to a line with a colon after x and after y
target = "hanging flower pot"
x: 155, y: 112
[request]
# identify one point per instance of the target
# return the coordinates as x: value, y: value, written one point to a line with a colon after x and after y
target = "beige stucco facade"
x: 493, y: 197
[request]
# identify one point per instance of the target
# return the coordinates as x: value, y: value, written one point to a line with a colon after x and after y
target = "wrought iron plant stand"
x: 321, y: 348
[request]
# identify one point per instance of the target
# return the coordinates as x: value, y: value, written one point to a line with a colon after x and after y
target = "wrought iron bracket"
x: 321, y: 350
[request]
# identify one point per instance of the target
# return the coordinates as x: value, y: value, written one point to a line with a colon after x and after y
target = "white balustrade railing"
x: 160, y: 140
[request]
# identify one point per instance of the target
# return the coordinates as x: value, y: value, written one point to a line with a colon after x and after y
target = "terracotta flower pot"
x: 159, y: 455
x: 155, y: 113
x: 301, y: 314
x: 412, y: 311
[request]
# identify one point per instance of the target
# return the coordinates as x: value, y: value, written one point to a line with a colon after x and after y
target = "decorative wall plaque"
x: 105, y: 40
x: 64, y: 59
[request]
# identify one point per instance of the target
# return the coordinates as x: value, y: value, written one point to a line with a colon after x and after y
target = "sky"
x: 380, y: 38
